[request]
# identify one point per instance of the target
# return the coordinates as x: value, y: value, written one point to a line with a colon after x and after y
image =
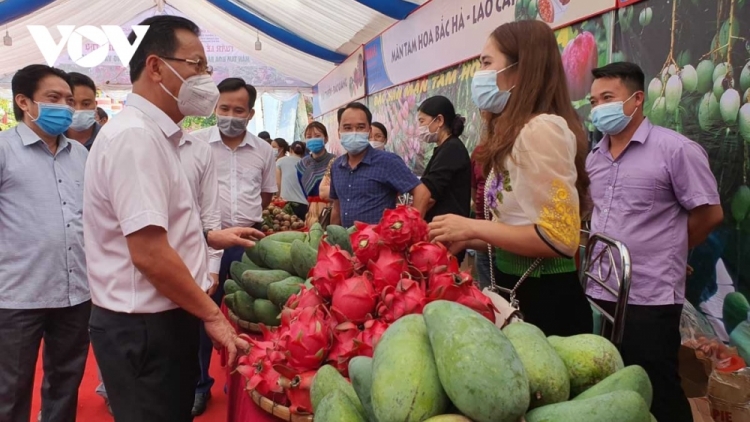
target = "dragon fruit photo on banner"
x: 352, y: 297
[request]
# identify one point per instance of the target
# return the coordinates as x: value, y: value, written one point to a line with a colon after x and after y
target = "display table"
x: 241, y: 407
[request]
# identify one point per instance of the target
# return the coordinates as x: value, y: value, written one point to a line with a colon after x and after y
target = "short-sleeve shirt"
x: 537, y: 186
x: 134, y: 179
x: 42, y: 260
x: 372, y: 187
x: 643, y: 199
x: 243, y: 174
x: 448, y: 177
x: 291, y: 189
x: 198, y: 163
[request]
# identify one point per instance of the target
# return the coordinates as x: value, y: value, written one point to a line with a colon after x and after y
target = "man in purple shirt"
x: 653, y: 190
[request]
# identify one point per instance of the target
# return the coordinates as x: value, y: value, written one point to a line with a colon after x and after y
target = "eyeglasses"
x: 202, y: 66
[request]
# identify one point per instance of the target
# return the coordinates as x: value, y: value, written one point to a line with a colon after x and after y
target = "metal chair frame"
x: 612, y: 249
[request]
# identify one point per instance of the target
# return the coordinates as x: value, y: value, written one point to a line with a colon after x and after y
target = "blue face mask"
x: 54, y: 119
x: 485, y: 93
x: 609, y: 118
x: 315, y: 145
x: 355, y: 142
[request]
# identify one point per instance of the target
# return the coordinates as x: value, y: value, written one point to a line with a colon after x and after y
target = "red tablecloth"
x: 241, y: 407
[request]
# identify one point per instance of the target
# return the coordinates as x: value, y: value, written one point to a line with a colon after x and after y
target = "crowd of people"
x: 120, y: 233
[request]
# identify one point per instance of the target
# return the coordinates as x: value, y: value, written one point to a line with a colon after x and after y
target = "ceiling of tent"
x: 302, y: 40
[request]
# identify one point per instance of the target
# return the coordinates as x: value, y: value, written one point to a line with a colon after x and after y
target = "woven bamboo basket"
x: 277, y: 410
x: 245, y: 325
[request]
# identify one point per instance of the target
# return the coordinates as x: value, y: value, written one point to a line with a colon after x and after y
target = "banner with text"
x: 343, y: 85
x: 447, y: 32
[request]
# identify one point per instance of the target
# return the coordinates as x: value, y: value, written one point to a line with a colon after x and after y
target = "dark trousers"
x: 66, y: 347
x: 556, y: 303
x: 206, y: 350
x: 300, y: 210
x: 148, y: 363
x: 651, y: 339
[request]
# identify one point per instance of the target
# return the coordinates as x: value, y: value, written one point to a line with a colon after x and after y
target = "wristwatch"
x: 205, y: 234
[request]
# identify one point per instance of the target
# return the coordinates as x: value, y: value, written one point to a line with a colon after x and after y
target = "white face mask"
x: 83, y: 119
x: 378, y: 145
x: 231, y: 126
x: 425, y: 135
x: 198, y: 94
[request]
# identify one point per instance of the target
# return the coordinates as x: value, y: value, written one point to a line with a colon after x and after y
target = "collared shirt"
x: 243, y: 174
x: 199, y: 168
x: 42, y: 260
x: 90, y: 141
x: 643, y: 199
x: 366, y: 191
x: 134, y: 179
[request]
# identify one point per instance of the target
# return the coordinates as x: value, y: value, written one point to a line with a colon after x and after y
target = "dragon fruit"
x: 401, y: 227
x: 365, y: 242
x: 258, y: 350
x: 297, y: 388
x: 343, y: 347
x: 408, y: 297
x: 354, y: 299
x: 306, y: 298
x: 306, y: 343
x: 424, y: 256
x: 333, y: 266
x: 369, y: 337
x: 387, y: 269
x: 449, y: 285
x: 262, y: 378
x: 478, y: 302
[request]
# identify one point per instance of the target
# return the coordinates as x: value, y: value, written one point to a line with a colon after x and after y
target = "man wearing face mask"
x: 247, y: 183
x: 366, y: 181
x: 47, y: 217
x: 145, y: 248
x: 84, y: 127
x: 648, y: 183
x: 44, y: 293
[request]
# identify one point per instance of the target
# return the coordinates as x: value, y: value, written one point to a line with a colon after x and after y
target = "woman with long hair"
x: 533, y: 150
x: 312, y: 168
x: 289, y: 188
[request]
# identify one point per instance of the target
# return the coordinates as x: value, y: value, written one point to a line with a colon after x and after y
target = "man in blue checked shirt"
x: 366, y: 181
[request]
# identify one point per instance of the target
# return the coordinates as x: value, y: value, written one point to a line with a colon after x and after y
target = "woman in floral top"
x: 533, y: 150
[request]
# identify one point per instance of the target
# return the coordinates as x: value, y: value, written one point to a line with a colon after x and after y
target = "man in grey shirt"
x: 43, y: 292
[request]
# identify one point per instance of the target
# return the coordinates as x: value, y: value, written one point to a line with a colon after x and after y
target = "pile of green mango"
x: 451, y: 364
x: 275, y: 269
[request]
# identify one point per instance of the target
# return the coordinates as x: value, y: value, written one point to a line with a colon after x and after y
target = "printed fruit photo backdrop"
x: 583, y: 46
x: 696, y: 56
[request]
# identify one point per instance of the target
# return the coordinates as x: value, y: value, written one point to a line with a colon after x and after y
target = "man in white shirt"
x: 246, y: 169
x: 145, y: 250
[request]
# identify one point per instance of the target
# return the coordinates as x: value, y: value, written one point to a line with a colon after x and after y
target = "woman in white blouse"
x: 533, y: 151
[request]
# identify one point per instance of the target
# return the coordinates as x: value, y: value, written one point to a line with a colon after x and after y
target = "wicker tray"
x: 245, y: 325
x: 277, y: 410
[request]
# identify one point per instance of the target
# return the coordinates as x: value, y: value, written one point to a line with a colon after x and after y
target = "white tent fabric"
x: 340, y: 25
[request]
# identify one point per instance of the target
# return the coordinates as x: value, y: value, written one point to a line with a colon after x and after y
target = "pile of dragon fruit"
x: 393, y: 271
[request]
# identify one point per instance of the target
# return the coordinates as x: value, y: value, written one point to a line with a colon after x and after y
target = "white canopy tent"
x: 336, y: 25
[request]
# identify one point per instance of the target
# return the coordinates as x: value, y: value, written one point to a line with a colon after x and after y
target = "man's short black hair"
x: 357, y: 106
x: 79, y: 79
x: 160, y: 39
x: 235, y: 84
x: 630, y: 74
x: 26, y: 83
x: 264, y: 135
x: 102, y: 114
